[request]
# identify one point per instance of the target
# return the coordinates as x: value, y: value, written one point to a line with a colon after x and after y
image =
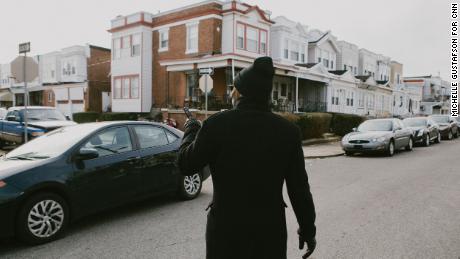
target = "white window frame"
x: 189, y: 27
x: 133, y: 45
x: 161, y: 33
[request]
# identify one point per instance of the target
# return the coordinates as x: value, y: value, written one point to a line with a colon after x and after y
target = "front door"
x: 111, y: 178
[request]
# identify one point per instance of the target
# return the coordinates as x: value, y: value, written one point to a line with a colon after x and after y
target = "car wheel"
x: 426, y: 143
x: 190, y: 186
x: 2, y: 143
x: 438, y: 138
x: 456, y: 134
x: 410, y: 145
x: 42, y: 218
x: 391, y: 148
x: 450, y: 136
x: 349, y: 153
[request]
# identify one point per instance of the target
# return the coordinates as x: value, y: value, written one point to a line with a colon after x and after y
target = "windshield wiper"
x: 19, y: 158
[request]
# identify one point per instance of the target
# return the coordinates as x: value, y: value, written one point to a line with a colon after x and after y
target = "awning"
x: 6, y: 97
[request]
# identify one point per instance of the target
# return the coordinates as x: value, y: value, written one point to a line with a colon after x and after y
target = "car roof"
x: 419, y: 117
x: 384, y: 119
x: 103, y: 124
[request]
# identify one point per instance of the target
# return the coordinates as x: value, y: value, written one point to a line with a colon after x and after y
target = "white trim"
x: 192, y: 20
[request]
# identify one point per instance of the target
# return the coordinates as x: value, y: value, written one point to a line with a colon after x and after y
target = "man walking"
x: 251, y: 152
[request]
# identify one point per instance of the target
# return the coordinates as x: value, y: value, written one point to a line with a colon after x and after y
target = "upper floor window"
x: 116, y: 48
x: 164, y: 40
x: 295, y: 51
x: 286, y: 49
x: 252, y: 41
x: 136, y: 45
x: 263, y: 42
x: 251, y: 38
x: 240, y: 36
x: 126, y: 46
x: 192, y: 38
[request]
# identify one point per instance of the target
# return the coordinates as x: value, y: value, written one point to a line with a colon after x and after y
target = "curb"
x: 325, y: 156
x: 315, y: 141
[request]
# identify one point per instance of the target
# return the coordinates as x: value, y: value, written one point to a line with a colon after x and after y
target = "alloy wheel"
x: 391, y: 149
x: 427, y: 140
x: 192, y: 184
x: 45, y: 218
x: 411, y: 143
x: 450, y: 135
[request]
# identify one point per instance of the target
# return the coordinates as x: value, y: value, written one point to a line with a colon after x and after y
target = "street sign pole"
x: 206, y: 97
x: 24, y: 48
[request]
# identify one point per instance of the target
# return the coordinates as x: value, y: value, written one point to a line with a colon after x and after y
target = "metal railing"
x: 215, y: 102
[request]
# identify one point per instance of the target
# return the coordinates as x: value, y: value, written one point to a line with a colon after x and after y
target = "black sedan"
x: 447, y: 126
x: 77, y: 170
x: 424, y: 129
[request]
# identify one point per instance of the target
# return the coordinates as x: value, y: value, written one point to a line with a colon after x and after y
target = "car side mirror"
x: 67, y: 117
x: 11, y: 118
x: 355, y: 129
x: 429, y: 125
x: 451, y: 121
x: 87, y: 154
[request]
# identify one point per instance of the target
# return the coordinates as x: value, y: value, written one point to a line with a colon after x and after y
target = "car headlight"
x: 345, y: 138
x: 419, y: 133
x: 381, y: 139
x: 37, y: 133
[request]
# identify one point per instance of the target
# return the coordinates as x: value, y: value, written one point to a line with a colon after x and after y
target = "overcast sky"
x: 412, y: 32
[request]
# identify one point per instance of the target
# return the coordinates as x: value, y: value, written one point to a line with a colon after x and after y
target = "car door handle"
x: 133, y: 160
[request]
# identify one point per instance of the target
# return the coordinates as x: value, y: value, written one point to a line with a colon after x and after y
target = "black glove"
x: 311, y: 243
x: 192, y: 123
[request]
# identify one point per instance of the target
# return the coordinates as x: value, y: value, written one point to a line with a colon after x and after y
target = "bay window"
x: 251, y: 39
x: 126, y: 87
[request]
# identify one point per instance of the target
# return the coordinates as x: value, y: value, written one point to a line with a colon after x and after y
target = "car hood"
x: 367, y: 135
x: 444, y: 125
x: 12, y: 167
x: 51, y: 124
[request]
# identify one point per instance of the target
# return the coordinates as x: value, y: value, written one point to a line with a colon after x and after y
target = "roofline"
x: 99, y: 48
x: 186, y: 7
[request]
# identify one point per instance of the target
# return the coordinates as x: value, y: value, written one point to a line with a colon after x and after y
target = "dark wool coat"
x: 251, y: 152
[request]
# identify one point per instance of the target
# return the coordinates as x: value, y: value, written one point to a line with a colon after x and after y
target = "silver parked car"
x: 378, y: 136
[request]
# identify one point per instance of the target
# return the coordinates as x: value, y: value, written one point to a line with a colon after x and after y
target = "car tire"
x: 391, y: 149
x: 349, y: 153
x: 438, y: 138
x: 456, y: 134
x: 450, y: 136
x: 46, y: 211
x: 190, y: 186
x: 426, y: 141
x: 410, y: 145
x: 2, y: 144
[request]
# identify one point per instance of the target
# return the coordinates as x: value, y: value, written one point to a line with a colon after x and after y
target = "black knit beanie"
x: 256, y: 81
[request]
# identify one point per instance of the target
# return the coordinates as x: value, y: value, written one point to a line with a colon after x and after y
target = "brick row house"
x: 156, y: 60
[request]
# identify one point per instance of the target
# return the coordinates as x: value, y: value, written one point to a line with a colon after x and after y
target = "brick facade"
x: 98, y: 78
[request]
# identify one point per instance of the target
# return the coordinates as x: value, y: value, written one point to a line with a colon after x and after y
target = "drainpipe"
x: 296, y: 93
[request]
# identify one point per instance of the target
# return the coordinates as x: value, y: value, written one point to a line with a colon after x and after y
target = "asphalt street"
x: 407, y: 206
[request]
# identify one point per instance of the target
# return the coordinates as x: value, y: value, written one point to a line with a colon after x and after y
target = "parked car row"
x: 385, y: 136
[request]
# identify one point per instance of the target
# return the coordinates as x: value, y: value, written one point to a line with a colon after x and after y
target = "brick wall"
x: 209, y: 42
x: 98, y: 78
x: 46, y: 101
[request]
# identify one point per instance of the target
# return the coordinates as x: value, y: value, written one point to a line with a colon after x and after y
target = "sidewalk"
x: 324, y: 150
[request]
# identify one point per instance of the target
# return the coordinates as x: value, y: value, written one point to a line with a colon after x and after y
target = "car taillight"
x: 2, y: 184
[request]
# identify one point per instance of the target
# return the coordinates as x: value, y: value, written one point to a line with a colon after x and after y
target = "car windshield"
x: 52, y: 144
x: 376, y: 125
x: 44, y: 115
x: 415, y: 122
x: 441, y: 119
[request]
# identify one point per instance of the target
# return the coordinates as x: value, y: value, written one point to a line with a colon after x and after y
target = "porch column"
x: 296, y: 93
